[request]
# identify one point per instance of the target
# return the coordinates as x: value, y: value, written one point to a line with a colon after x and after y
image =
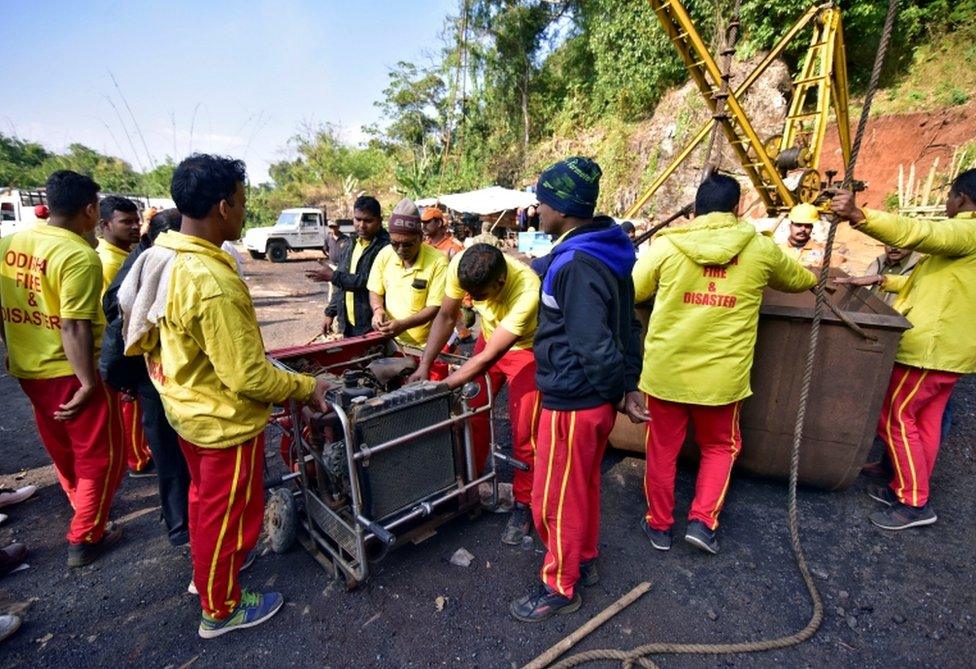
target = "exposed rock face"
x: 678, y: 117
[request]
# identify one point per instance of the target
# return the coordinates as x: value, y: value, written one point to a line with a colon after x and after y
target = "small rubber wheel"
x: 280, y: 520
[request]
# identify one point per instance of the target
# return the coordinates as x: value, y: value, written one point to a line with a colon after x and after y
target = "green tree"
x: 112, y: 174
x: 18, y: 158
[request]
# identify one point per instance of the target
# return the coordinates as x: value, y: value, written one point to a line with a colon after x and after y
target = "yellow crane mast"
x: 784, y: 168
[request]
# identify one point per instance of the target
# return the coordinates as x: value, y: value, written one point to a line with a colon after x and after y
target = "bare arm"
x: 79, y: 348
x: 498, y: 345
x: 396, y: 326
x: 378, y: 306
x: 440, y: 332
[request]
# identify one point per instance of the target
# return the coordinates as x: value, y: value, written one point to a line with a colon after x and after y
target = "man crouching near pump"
x: 589, y: 362
x: 505, y: 294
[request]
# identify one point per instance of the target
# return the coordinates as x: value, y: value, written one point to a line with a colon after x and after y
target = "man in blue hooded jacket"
x: 588, y: 359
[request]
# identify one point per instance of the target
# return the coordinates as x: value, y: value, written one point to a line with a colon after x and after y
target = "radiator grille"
x: 327, y: 522
x: 404, y: 475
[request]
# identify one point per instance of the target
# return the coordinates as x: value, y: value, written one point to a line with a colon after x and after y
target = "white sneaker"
x: 248, y: 561
x: 9, y: 496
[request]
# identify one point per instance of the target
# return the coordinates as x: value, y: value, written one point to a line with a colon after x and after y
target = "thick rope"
x: 639, y: 655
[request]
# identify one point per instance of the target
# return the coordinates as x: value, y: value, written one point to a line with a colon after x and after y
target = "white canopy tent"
x: 483, y: 201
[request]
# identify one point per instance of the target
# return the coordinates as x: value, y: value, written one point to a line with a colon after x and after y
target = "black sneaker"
x: 542, y: 604
x: 519, y: 525
x: 81, y: 554
x: 589, y: 576
x: 883, y: 494
x: 901, y: 517
x: 660, y: 539
x: 701, y: 537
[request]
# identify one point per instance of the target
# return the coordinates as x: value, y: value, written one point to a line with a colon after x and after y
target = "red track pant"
x: 910, y: 424
x: 718, y: 437
x: 226, y: 510
x: 86, y: 450
x: 566, y: 490
x: 517, y: 368
x: 137, y: 452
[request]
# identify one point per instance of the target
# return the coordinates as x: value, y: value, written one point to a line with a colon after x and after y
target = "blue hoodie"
x: 587, y: 345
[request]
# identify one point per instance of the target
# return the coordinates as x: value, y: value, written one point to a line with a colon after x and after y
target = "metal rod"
x: 420, y: 510
x: 684, y: 211
x: 468, y: 442
x: 354, y: 361
x: 355, y: 494
x: 369, y: 451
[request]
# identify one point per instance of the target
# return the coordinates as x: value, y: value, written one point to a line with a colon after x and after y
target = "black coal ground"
x: 891, y: 599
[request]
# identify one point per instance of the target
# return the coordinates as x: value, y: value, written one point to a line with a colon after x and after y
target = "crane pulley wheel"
x: 809, y: 186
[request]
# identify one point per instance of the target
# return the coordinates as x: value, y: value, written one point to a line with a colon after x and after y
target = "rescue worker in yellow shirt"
x: 939, y: 299
x: 505, y: 293
x: 205, y: 355
x: 50, y: 280
x: 406, y: 282
x: 119, y: 227
x: 800, y: 245
x: 707, y: 279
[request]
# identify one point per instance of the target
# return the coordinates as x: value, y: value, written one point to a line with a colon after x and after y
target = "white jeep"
x: 297, y: 229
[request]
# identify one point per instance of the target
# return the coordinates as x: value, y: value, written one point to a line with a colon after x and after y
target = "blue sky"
x: 251, y: 74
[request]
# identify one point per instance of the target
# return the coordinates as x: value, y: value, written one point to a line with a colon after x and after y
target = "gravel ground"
x: 890, y: 599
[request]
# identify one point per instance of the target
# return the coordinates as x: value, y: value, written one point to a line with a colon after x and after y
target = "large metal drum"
x: 849, y: 381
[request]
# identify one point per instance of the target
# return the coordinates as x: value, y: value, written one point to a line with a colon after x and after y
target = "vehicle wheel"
x: 280, y: 520
x: 257, y: 255
x: 277, y: 251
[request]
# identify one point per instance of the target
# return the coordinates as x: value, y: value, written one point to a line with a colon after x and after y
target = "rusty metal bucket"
x: 847, y: 389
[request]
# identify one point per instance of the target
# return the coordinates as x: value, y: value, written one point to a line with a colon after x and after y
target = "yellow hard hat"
x: 805, y: 213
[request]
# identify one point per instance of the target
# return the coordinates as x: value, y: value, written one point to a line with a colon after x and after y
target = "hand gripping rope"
x: 640, y: 655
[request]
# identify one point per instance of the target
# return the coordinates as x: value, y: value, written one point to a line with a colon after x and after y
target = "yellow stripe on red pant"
x: 223, y: 527
x: 240, y: 524
x: 734, y: 452
x: 110, y: 475
x: 562, y: 499
x: 904, y: 439
x: 892, y: 402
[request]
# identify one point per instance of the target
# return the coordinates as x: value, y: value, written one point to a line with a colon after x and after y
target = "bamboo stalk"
x: 593, y: 623
x: 911, y: 185
x: 928, y: 182
x: 901, y: 186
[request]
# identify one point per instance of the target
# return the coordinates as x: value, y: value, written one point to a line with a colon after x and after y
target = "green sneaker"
x: 254, y: 609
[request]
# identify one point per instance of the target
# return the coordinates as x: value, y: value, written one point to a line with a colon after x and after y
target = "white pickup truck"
x: 297, y: 229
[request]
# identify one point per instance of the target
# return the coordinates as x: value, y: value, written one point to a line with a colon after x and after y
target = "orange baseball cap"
x: 430, y: 213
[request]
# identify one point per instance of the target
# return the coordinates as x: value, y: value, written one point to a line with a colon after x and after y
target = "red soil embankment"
x: 890, y: 141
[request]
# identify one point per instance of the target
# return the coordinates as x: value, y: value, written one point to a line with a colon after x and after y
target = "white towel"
x: 142, y: 295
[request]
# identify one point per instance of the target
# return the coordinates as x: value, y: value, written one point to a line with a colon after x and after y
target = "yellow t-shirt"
x: 112, y: 258
x: 47, y: 274
x: 515, y: 308
x: 358, y: 246
x: 407, y: 291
